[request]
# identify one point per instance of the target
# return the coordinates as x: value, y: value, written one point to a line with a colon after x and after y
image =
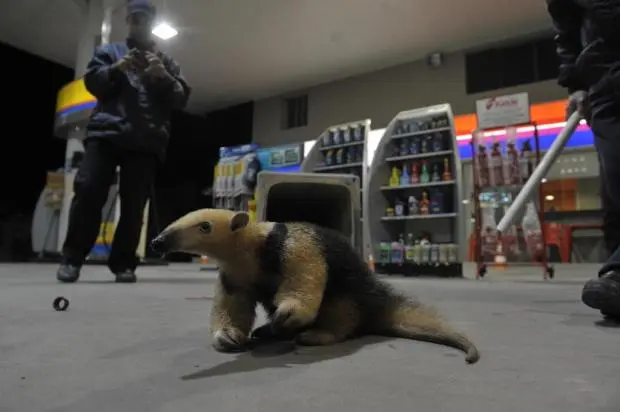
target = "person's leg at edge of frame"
x: 603, y: 293
x: 91, y: 187
x: 137, y: 174
x: 611, y: 219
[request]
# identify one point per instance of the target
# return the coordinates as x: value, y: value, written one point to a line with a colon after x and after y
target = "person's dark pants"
x: 611, y: 218
x: 604, y: 293
x: 605, y: 125
x: 91, y: 187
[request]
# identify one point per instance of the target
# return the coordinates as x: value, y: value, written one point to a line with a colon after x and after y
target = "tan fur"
x: 301, y: 290
x: 232, y: 318
x: 236, y: 311
x: 232, y: 251
x: 299, y: 300
x: 425, y: 324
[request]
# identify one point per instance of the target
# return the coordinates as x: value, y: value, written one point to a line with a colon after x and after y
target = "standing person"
x: 588, y: 40
x: 136, y: 87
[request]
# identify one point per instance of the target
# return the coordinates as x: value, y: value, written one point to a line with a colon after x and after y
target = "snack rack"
x: 503, y: 161
x: 414, y: 196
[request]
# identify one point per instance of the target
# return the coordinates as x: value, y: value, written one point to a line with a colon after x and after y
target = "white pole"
x: 540, y: 171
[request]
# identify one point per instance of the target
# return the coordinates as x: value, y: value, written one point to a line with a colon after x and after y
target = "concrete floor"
x: 144, y: 347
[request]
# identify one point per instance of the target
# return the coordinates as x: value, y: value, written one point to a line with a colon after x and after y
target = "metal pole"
x: 540, y: 171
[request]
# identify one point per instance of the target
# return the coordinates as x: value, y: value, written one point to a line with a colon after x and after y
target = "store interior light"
x: 164, y: 31
x: 543, y: 180
x: 549, y: 197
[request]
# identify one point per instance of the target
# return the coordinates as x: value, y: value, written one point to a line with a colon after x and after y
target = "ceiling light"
x: 543, y: 180
x: 549, y: 197
x: 164, y: 31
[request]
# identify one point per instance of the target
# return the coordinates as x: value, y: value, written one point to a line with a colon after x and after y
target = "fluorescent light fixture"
x: 549, y: 197
x: 164, y: 31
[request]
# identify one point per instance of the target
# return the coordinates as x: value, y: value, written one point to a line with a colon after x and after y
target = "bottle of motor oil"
x: 417, y: 253
x: 409, y: 248
x: 453, y: 253
x: 434, y: 258
x: 384, y: 253
x: 443, y: 253
x: 397, y: 253
x: 426, y: 253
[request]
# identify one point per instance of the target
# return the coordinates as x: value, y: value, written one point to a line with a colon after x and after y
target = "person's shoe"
x: 604, y: 294
x: 68, y: 273
x: 126, y: 276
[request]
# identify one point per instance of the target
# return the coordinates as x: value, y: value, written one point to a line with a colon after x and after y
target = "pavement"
x: 145, y: 347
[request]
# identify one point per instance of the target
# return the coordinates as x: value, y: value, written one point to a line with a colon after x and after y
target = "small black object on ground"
x: 61, y: 304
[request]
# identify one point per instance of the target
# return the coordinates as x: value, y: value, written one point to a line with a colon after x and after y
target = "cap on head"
x: 141, y: 7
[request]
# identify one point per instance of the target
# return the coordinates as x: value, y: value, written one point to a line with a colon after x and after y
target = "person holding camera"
x: 137, y: 87
x: 588, y: 46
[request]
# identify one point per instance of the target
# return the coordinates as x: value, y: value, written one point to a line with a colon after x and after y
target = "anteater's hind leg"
x: 338, y: 320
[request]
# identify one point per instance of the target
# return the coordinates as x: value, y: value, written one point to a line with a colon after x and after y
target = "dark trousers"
x: 91, y: 187
x: 605, y: 125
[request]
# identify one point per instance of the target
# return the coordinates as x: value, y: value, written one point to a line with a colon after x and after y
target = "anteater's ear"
x: 239, y: 221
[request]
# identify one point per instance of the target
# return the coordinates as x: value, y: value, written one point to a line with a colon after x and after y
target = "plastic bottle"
x: 394, y: 177
x: 443, y: 253
x: 384, y: 253
x: 496, y: 166
x: 434, y: 253
x: 426, y: 251
x: 404, y: 177
x: 532, y: 230
x: 424, y: 176
x: 412, y: 207
x: 409, y: 252
x: 527, y: 160
x: 399, y: 208
x: 397, y: 255
x: 453, y: 253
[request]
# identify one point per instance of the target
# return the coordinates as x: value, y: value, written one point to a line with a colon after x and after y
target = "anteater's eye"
x: 205, y: 227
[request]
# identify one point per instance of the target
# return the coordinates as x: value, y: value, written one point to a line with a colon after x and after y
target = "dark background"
x: 30, y: 149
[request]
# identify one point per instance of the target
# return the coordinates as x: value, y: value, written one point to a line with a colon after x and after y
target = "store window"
x: 571, y: 195
x: 295, y: 112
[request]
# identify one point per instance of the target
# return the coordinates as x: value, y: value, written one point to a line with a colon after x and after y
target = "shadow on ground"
x: 283, y: 355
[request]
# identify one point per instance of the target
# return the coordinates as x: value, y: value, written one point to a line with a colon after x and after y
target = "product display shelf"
x: 414, y: 196
x: 341, y: 149
x: 503, y: 162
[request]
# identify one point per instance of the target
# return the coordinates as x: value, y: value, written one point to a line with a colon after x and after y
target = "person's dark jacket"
x: 133, y: 112
x: 587, y: 41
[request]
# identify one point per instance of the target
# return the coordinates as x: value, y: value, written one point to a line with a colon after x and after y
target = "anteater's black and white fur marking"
x: 310, y: 281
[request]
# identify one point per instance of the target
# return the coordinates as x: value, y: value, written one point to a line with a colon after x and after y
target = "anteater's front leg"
x: 232, y: 318
x: 299, y: 296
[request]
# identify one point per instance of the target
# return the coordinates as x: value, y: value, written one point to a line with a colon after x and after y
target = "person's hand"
x: 155, y: 68
x: 577, y: 102
x: 131, y: 61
